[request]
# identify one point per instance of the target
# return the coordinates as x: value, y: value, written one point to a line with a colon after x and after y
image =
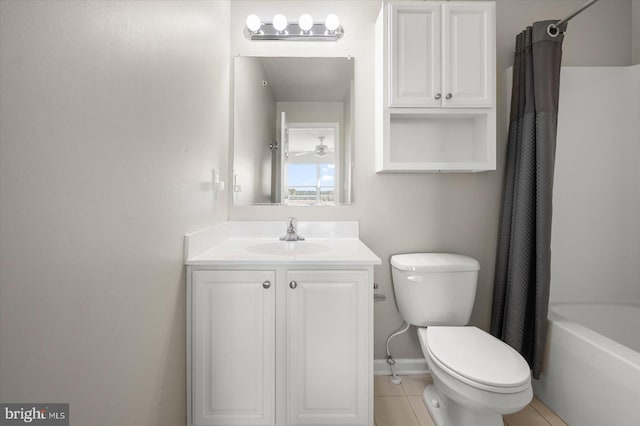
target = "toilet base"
x: 447, y: 412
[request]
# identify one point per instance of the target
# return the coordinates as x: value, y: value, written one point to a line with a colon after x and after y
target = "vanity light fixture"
x: 304, y: 30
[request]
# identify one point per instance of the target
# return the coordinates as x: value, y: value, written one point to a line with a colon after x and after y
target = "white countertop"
x: 257, y: 243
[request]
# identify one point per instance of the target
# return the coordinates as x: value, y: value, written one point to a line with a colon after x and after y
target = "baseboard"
x: 404, y: 367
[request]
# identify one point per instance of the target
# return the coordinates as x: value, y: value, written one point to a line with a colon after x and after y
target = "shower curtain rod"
x: 553, y: 30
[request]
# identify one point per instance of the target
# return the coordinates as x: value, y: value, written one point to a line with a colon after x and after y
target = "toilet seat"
x: 476, y: 358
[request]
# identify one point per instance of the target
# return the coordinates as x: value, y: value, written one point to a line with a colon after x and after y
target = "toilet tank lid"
x: 434, y: 262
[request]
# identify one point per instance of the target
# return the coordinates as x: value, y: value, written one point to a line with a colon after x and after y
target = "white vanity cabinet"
x: 435, y: 86
x: 283, y: 345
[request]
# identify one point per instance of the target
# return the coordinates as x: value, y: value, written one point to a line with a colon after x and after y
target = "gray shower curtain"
x: 521, y: 287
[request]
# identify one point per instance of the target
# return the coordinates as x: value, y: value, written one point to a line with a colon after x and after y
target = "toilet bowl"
x: 476, y: 377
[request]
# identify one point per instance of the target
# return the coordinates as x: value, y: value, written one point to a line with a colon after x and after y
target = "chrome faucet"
x: 292, y: 234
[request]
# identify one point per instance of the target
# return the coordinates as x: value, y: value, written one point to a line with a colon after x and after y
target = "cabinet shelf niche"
x: 432, y: 141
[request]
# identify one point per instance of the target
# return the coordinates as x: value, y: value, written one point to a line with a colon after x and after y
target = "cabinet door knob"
x: 293, y: 284
x: 449, y: 96
x: 438, y: 96
x: 266, y: 284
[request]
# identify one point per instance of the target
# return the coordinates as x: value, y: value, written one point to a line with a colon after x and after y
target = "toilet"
x: 476, y: 377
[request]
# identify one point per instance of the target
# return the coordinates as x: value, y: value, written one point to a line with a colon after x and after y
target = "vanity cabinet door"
x: 468, y: 55
x: 327, y: 347
x: 233, y: 347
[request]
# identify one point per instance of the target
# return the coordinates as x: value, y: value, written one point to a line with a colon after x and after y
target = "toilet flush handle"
x: 415, y: 278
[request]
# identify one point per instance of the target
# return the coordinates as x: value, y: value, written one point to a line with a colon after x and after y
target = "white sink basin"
x: 288, y: 248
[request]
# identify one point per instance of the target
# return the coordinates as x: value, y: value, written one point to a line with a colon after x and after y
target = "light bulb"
x: 279, y: 23
x: 305, y: 22
x: 254, y: 23
x: 332, y: 22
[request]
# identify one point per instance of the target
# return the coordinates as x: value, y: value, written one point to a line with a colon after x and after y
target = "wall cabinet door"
x: 233, y: 351
x: 414, y: 65
x: 468, y: 55
x: 327, y: 347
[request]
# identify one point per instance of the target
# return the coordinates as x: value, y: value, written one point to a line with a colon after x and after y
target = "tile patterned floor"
x: 401, y: 405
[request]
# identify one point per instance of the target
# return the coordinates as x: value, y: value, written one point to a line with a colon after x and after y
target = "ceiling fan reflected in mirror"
x: 320, y: 150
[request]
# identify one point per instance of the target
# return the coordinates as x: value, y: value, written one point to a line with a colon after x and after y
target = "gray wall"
x: 112, y: 115
x: 428, y: 212
x: 635, y: 19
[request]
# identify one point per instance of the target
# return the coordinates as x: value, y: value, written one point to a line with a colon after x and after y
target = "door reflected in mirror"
x: 293, y: 131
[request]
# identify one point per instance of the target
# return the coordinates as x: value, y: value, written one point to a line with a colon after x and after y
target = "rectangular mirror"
x: 293, y: 131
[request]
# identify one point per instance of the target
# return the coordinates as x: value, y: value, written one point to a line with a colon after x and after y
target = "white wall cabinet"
x: 288, y: 346
x: 435, y: 84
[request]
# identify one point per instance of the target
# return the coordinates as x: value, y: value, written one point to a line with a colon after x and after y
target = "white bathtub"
x: 591, y: 375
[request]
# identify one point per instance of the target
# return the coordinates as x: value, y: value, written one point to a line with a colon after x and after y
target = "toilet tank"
x: 435, y: 288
